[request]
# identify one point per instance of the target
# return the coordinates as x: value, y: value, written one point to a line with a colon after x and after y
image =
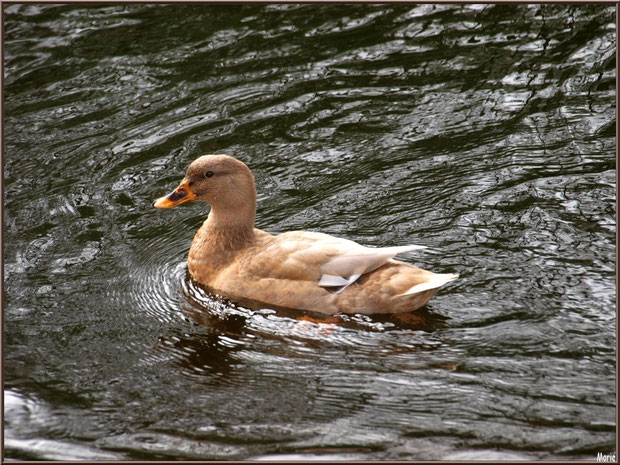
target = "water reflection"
x: 485, y: 132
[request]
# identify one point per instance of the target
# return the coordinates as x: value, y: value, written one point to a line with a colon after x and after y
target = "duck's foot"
x: 409, y: 318
x: 322, y: 320
x: 309, y: 324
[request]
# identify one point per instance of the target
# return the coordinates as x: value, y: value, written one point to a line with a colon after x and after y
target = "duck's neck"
x: 238, y: 217
x: 221, y: 237
x: 227, y: 229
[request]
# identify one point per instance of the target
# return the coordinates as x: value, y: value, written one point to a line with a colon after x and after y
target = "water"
x: 484, y: 132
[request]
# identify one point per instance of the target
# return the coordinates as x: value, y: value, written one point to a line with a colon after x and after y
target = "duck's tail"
x: 437, y: 280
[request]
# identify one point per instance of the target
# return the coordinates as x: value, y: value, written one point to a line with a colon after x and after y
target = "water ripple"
x: 485, y: 132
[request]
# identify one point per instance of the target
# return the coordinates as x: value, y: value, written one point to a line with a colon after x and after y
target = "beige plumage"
x: 300, y: 269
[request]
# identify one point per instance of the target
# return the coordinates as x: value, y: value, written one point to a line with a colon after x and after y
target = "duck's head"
x: 222, y: 181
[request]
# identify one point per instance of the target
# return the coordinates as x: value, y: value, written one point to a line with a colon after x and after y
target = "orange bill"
x: 178, y: 196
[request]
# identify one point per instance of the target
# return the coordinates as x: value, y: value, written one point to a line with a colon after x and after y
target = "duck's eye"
x: 209, y: 174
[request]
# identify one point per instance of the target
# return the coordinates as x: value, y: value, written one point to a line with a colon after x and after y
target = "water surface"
x: 485, y: 132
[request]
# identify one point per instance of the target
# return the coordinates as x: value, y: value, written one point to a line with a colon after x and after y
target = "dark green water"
x: 486, y: 133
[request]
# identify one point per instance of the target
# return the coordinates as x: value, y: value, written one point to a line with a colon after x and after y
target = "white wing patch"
x: 338, y: 283
x: 329, y: 280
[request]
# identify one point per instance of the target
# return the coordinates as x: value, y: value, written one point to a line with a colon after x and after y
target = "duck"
x: 300, y: 270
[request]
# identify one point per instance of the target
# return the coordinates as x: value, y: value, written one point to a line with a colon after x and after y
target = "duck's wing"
x: 345, y: 268
x: 341, y: 262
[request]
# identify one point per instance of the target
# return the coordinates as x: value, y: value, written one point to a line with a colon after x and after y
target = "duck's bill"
x: 178, y: 196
